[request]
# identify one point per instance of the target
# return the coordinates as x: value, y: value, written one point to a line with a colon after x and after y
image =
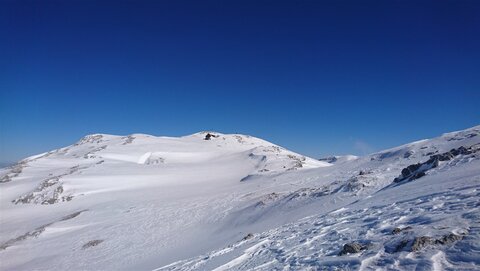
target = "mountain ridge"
x: 143, y: 202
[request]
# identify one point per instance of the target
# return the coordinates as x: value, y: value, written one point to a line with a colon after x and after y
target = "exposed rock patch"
x: 399, y: 230
x: 268, y: 198
x: 247, y: 237
x: 49, y: 191
x: 297, y: 195
x: 329, y: 159
x: 352, y: 248
x: 420, y: 242
x: 91, y: 154
x: 31, y: 234
x: 356, y: 183
x: 36, y: 232
x: 100, y: 162
x: 90, y: 139
x: 298, y: 161
x: 71, y: 216
x: 239, y: 139
x: 15, y: 171
x: 408, y: 154
x: 309, y: 192
x: 275, y: 149
x: 464, y: 136
x: 92, y: 243
x: 128, y: 140
x: 416, y: 171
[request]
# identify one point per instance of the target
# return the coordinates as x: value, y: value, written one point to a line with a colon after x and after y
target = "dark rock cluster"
x: 415, y: 171
x: 399, y: 230
x: 330, y: 159
x: 248, y: 236
x: 15, y: 171
x: 49, y: 191
x: 37, y: 231
x: 352, y: 248
x: 94, y: 139
x: 408, y: 154
x: 128, y: 140
x: 420, y: 242
x: 92, y: 244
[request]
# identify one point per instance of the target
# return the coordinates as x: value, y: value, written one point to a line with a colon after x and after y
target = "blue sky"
x: 318, y: 77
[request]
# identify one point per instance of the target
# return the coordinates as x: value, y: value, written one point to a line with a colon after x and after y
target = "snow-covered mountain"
x: 212, y: 201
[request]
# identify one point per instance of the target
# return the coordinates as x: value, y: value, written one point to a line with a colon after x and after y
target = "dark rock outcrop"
x: 448, y: 239
x: 399, y: 230
x: 92, y: 243
x: 15, y: 171
x: 49, y: 191
x: 352, y: 248
x: 416, y: 171
x: 36, y: 232
x: 209, y: 136
x: 32, y: 234
x: 248, y: 236
x: 128, y: 140
x: 330, y: 159
x: 71, y: 216
x: 420, y: 242
x: 408, y: 154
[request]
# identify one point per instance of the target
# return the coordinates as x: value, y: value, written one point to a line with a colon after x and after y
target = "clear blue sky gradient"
x: 317, y: 77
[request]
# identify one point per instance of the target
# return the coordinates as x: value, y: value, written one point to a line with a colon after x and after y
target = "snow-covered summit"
x: 228, y: 155
x: 202, y: 146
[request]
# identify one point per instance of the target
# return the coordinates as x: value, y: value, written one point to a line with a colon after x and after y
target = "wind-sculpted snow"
x: 445, y: 212
x: 211, y: 201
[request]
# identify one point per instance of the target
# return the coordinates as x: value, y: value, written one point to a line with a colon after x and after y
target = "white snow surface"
x: 236, y: 202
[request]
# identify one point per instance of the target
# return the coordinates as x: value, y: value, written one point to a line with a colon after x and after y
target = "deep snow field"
x: 236, y: 202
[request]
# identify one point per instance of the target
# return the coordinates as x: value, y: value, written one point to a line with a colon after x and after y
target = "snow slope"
x: 235, y: 202
x: 338, y: 159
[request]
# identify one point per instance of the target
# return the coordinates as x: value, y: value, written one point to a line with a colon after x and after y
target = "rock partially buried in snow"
x: 399, y: 230
x: 338, y: 159
x: 449, y: 238
x: 247, y: 237
x: 416, y: 171
x: 352, y: 248
x: 421, y: 242
x: 92, y: 243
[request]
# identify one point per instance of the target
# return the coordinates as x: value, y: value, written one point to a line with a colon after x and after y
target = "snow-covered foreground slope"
x: 235, y: 202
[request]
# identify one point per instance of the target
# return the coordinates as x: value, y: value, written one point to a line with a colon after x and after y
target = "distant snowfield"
x: 236, y: 202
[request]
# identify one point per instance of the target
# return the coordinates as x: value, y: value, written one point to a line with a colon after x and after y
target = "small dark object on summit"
x: 209, y: 136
